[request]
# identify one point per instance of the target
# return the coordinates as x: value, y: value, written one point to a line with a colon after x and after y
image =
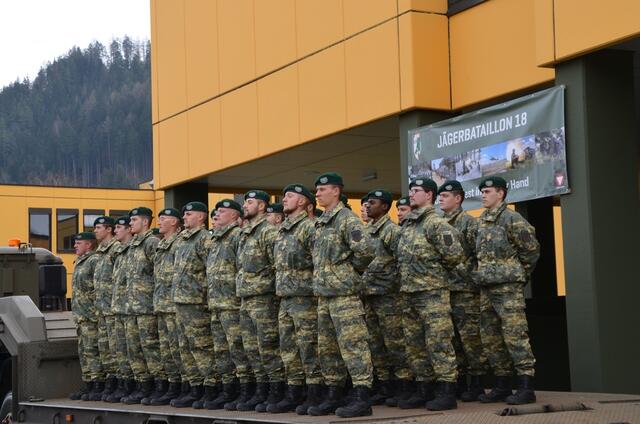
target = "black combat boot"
x: 385, y: 391
x: 96, y: 392
x: 173, y: 392
x: 524, y: 393
x: 145, y: 390
x: 403, y: 391
x: 130, y: 386
x: 246, y: 393
x: 500, y: 391
x: 445, y: 398
x: 276, y: 394
x: 110, y: 386
x: 259, y: 396
x: 185, y: 389
x: 314, y: 397
x: 474, y: 391
x: 462, y: 385
x: 186, y: 401
x: 210, y: 393
x: 359, y: 406
x: 334, y: 400
x: 422, y: 395
x: 160, y: 389
x: 84, y: 390
x: 292, y: 398
x: 115, y: 396
x: 229, y: 393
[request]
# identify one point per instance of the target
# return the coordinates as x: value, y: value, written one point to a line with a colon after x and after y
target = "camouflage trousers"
x: 106, y: 345
x: 465, y: 313
x: 196, y: 344
x: 343, y: 341
x: 88, y: 351
x: 504, y: 329
x: 383, y: 315
x: 169, y: 346
x: 227, y: 346
x: 122, y: 356
x: 298, y: 328
x: 259, y: 322
x: 428, y: 333
x: 143, y: 347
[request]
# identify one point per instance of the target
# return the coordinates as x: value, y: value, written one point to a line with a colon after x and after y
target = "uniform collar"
x: 166, y: 243
x: 220, y: 232
x: 290, y: 222
x: 419, y: 213
x: 255, y: 223
x: 189, y: 232
x: 85, y: 256
x: 376, y: 226
x: 105, y: 246
x: 453, y: 215
x: 139, y: 238
x: 327, y: 216
x: 493, y: 214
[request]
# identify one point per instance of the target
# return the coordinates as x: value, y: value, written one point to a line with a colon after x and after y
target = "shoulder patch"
x: 525, y: 236
x: 356, y: 235
x: 448, y: 239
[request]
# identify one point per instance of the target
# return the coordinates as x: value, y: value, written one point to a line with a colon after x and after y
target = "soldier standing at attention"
x: 85, y: 316
x: 383, y: 303
x: 169, y: 221
x: 298, y: 316
x: 429, y: 248
x: 404, y: 207
x: 119, y: 300
x: 142, y: 325
x: 342, y: 251
x: 231, y: 360
x: 465, y: 296
x: 364, y: 214
x: 259, y: 307
x: 507, y: 252
x: 189, y: 289
x: 103, y: 279
x: 275, y: 214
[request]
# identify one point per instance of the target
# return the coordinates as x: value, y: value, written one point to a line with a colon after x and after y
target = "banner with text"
x: 522, y: 140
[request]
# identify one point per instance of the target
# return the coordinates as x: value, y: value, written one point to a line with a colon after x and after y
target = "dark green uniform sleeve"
x: 268, y: 241
x: 446, y: 240
x: 522, y: 236
x: 359, y: 241
x: 150, y: 245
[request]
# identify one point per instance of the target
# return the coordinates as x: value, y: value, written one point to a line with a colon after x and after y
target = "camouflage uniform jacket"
x: 292, y: 253
x: 163, y: 274
x: 506, y: 246
x: 381, y: 277
x: 121, y: 265
x: 103, y: 275
x: 189, y: 279
x: 83, y: 289
x: 222, y: 267
x: 142, y: 251
x: 342, y: 251
x: 255, y: 258
x: 429, y: 248
x: 468, y: 228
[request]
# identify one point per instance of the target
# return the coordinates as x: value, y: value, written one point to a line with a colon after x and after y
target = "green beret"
x: 364, y: 199
x: 383, y: 195
x: 104, y: 220
x: 228, y: 203
x: 300, y: 189
x: 86, y: 235
x: 403, y: 201
x: 450, y: 185
x: 427, y: 183
x: 123, y: 220
x: 493, y: 181
x: 195, y: 207
x: 329, y: 178
x: 257, y: 194
x: 170, y: 212
x: 141, y: 210
x: 345, y: 201
x: 275, y: 208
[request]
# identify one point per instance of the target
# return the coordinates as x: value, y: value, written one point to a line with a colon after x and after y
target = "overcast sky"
x: 34, y: 32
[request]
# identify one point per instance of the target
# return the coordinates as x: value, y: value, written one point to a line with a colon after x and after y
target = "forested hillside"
x: 85, y: 120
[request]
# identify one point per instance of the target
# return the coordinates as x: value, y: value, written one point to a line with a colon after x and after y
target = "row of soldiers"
x: 282, y: 314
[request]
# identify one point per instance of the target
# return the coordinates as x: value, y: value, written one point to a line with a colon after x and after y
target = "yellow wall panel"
x: 372, y: 74
x: 236, y: 43
x: 239, y: 124
x: 491, y: 51
x: 156, y: 154
x: 584, y: 25
x: 278, y: 119
x: 154, y: 62
x: 424, y: 61
x: 545, y: 49
x: 174, y: 156
x: 201, y: 50
x: 275, y: 27
x: 435, y: 6
x: 318, y: 25
x: 362, y: 14
x: 170, y: 55
x: 322, y: 93
x: 205, y: 146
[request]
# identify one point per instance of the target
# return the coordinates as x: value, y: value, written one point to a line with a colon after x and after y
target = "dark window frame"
x: 42, y: 211
x: 85, y: 212
x: 112, y: 215
x: 66, y: 211
x: 457, y: 6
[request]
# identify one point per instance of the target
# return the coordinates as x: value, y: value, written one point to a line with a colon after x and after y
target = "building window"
x: 457, y: 6
x: 40, y: 228
x: 89, y: 216
x: 67, y: 227
x: 117, y: 213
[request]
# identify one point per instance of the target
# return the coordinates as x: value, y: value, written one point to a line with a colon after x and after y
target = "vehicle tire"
x: 5, y: 409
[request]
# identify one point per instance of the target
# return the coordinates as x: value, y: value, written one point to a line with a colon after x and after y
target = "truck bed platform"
x: 597, y: 408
